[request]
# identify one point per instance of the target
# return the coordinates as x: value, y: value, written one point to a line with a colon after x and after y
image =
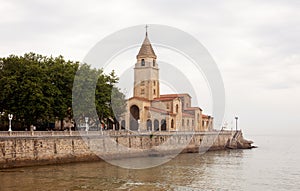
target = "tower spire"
x: 146, y: 27
x: 146, y: 49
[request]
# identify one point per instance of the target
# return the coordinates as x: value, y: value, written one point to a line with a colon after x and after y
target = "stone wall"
x: 38, y: 148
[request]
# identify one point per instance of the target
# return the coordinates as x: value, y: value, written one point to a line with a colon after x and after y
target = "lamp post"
x: 236, y: 122
x: 10, y: 116
x: 86, y: 123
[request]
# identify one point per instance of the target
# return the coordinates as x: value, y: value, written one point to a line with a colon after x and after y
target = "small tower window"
x: 176, y: 108
x: 154, y: 91
x: 142, y: 91
x: 143, y: 62
x: 153, y: 63
x: 154, y: 83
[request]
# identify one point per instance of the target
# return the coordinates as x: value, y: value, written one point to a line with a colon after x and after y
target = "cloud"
x: 255, y: 43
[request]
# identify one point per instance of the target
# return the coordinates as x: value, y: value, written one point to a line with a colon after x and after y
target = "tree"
x: 39, y: 89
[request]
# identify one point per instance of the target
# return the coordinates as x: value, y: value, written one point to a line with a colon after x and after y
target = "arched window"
x: 188, y: 123
x: 172, y: 123
x: 154, y: 92
x: 117, y: 126
x: 149, y: 125
x: 123, y: 124
x: 143, y: 62
x: 176, y: 108
x: 163, y: 125
x: 156, y: 125
x: 153, y: 63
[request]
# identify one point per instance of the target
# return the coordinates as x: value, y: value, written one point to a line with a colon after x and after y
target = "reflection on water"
x: 229, y: 170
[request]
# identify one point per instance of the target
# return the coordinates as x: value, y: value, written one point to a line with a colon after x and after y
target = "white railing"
x: 106, y: 133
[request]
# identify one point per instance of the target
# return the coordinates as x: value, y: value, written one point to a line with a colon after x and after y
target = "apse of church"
x: 147, y: 110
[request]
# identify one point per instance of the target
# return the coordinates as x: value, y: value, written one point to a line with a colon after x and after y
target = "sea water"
x: 274, y: 165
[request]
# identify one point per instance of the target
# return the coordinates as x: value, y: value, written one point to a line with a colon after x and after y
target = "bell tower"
x: 146, y: 72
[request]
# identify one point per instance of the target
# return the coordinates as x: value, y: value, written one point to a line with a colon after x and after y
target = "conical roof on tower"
x: 146, y: 51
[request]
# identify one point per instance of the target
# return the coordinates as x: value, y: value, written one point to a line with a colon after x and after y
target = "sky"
x: 256, y: 45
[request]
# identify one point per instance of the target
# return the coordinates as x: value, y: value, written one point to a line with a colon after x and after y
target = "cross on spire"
x: 146, y: 27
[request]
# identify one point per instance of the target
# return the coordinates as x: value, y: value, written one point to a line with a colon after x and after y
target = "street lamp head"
x: 86, y: 119
x: 236, y: 117
x: 10, y: 116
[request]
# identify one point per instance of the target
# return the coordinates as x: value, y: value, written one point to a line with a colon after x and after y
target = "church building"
x: 148, y: 110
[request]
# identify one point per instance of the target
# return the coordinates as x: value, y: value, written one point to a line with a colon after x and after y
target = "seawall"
x: 38, y: 148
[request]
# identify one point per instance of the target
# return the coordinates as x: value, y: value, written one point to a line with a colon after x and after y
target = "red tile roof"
x: 206, y: 116
x: 164, y: 99
x: 157, y: 110
x: 175, y: 95
x: 193, y: 108
x: 139, y: 98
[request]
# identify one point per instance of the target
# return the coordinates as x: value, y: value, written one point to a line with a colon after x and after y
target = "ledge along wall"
x: 39, y: 148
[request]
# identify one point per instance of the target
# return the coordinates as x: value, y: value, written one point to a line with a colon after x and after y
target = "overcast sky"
x: 256, y: 44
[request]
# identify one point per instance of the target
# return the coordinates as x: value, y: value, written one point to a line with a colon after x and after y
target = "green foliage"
x: 38, y: 89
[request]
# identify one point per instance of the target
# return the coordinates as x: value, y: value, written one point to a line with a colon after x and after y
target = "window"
x: 188, y: 123
x: 182, y: 122
x: 142, y: 83
x: 172, y: 123
x: 176, y: 108
x: 143, y: 62
x: 142, y: 91
x: 193, y: 123
x: 163, y: 125
x: 154, y: 91
x: 153, y: 63
x: 123, y: 124
x: 154, y: 83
